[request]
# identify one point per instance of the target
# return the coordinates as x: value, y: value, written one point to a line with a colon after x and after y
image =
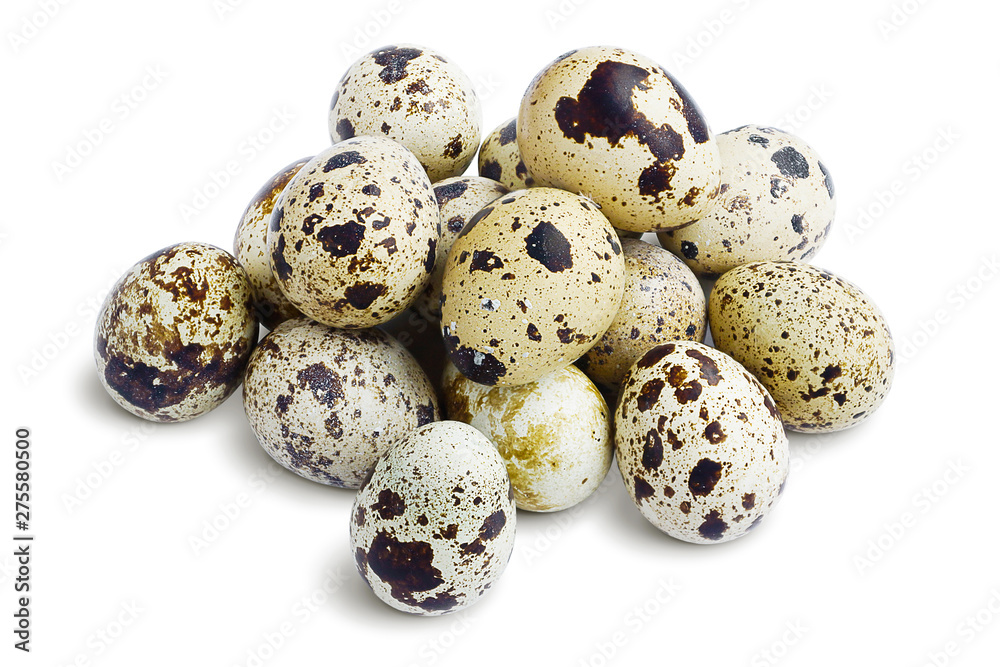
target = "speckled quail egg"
x: 250, y: 246
x: 776, y: 203
x: 818, y: 343
x: 459, y: 199
x: 615, y: 126
x: 531, y: 283
x: 500, y: 159
x: 663, y: 301
x: 353, y: 238
x: 433, y: 526
x: 325, y: 403
x: 175, y: 333
x: 417, y: 97
x: 699, y: 443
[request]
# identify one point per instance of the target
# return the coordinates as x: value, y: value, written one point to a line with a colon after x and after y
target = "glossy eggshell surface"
x: 554, y: 434
x: 250, y: 246
x: 174, y: 335
x: 663, y: 301
x: 532, y: 282
x: 699, y: 443
x: 325, y: 402
x: 500, y: 158
x: 433, y: 527
x: 415, y: 96
x: 353, y: 239
x: 615, y: 126
x: 776, y: 202
x: 817, y: 342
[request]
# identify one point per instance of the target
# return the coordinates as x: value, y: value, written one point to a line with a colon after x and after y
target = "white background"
x: 877, y: 554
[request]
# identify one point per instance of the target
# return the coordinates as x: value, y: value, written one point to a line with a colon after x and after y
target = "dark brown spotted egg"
x: 615, y: 126
x: 663, y: 301
x: 500, y: 159
x: 353, y: 239
x: 699, y: 443
x: 417, y: 97
x: 433, y: 526
x: 817, y: 342
x: 459, y: 199
x: 175, y: 333
x: 776, y: 203
x: 325, y: 403
x: 250, y: 246
x: 531, y: 283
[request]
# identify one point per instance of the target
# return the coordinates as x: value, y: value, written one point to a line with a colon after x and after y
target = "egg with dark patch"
x: 818, y: 343
x: 531, y: 283
x: 615, y: 126
x: 459, y: 199
x: 500, y: 159
x: 417, y: 97
x: 325, y: 403
x: 699, y: 443
x: 250, y: 246
x: 432, y: 527
x: 175, y: 333
x: 554, y: 434
x: 776, y: 202
x: 353, y: 239
x: 663, y: 301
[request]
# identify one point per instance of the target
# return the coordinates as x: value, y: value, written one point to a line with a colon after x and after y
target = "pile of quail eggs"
x: 545, y: 307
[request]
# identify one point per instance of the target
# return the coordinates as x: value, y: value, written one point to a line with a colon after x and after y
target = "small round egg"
x: 531, y: 283
x: 615, y: 126
x: 500, y: 159
x: 554, y: 434
x: 699, y: 443
x: 353, y: 238
x: 458, y: 199
x: 250, y: 246
x: 776, y: 203
x: 817, y: 342
x: 663, y: 301
x: 175, y: 333
x: 325, y: 403
x: 432, y: 528
x: 417, y: 97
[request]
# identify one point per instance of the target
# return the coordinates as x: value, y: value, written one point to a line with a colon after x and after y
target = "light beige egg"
x: 776, y: 202
x: 416, y: 96
x: 175, y: 333
x: 531, y: 283
x: 615, y: 126
x: 500, y: 159
x: 353, y: 238
x: 817, y: 342
x: 554, y: 434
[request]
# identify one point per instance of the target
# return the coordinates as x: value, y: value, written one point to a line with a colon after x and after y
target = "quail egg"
x: 500, y: 159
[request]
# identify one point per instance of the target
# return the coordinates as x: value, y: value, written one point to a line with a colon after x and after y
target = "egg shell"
x: 817, y: 342
x: 353, y: 239
x: 250, y: 248
x: 326, y: 403
x: 174, y: 334
x: 531, y: 283
x: 500, y: 158
x: 777, y: 202
x: 432, y: 528
x: 663, y: 301
x: 554, y: 434
x: 699, y: 443
x: 458, y: 199
x: 615, y: 126
x: 417, y: 97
